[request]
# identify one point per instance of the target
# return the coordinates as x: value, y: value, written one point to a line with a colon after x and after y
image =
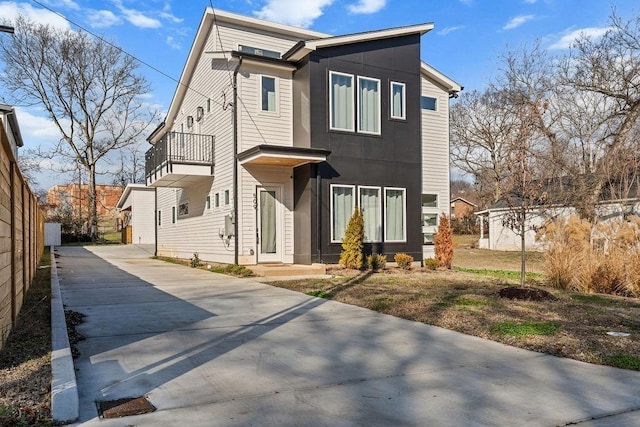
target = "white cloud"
x: 530, y: 1
x: 301, y: 13
x: 567, y: 40
x: 10, y: 10
x: 36, y: 129
x: 137, y: 18
x: 517, y: 21
x: 447, y: 30
x: 102, y: 19
x: 168, y: 15
x: 172, y: 43
x: 367, y: 6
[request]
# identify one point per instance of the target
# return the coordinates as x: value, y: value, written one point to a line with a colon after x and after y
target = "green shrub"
x: 403, y: 260
x: 430, y: 263
x: 195, y: 260
x: 352, y: 242
x: 376, y: 261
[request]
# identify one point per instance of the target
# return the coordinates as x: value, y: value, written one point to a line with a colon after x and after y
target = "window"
x: 429, y: 220
x: 173, y: 215
x: 342, y: 206
x: 216, y: 199
x: 209, y: 105
x: 259, y: 52
x: 208, y: 202
x: 427, y: 238
x: 368, y: 105
x: 268, y: 89
x: 159, y: 218
x: 341, y: 101
x: 226, y: 197
x: 395, y: 215
x: 371, y: 205
x: 428, y: 103
x: 398, y: 100
x: 429, y: 200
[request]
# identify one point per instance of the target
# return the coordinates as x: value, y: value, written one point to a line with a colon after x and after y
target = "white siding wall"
x: 200, y: 230
x: 142, y: 227
x: 435, y: 151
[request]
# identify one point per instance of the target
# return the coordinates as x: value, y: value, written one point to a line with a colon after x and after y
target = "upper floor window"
x: 428, y: 103
x: 341, y: 101
x: 398, y: 100
x: 259, y: 52
x: 268, y: 89
x: 368, y: 105
x: 429, y: 200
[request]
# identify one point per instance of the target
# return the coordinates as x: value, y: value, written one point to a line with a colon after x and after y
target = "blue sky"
x: 468, y: 34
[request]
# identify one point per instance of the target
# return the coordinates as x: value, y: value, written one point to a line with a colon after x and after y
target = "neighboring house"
x: 137, y: 207
x: 502, y: 238
x: 10, y: 123
x: 461, y: 208
x: 276, y: 133
x: 74, y: 199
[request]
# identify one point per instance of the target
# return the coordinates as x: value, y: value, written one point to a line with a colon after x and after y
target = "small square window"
x: 429, y: 220
x: 428, y: 103
x: 427, y: 238
x: 226, y: 197
x: 429, y: 200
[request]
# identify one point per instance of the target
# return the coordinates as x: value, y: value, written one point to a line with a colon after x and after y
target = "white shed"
x: 137, y: 208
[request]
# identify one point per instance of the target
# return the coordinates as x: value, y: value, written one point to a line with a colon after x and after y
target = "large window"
x: 342, y: 206
x: 341, y: 101
x: 368, y: 105
x: 395, y: 215
x: 268, y: 88
x: 398, y: 101
x: 370, y: 202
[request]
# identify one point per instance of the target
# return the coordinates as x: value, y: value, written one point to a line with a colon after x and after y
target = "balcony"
x: 180, y: 160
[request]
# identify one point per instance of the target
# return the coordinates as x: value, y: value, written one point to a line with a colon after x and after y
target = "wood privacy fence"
x: 21, y: 237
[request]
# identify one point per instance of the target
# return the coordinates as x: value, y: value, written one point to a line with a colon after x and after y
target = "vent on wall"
x: 189, y: 121
x: 199, y: 113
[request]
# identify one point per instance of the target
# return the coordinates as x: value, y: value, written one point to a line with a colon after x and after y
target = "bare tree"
x: 89, y: 88
x: 131, y: 167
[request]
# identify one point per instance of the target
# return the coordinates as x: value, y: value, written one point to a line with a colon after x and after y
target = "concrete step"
x: 286, y: 270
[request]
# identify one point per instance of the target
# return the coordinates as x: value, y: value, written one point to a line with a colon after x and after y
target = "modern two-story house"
x: 276, y: 133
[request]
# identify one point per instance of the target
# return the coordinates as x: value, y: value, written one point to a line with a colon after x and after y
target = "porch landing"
x: 288, y: 270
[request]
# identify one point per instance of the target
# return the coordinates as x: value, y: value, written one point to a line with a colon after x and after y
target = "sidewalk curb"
x: 64, y: 389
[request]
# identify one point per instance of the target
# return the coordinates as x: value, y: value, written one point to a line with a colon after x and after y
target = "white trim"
x: 360, y: 187
x: 449, y: 84
x: 404, y: 214
x: 311, y: 158
x: 404, y: 100
x: 331, y: 187
x: 360, y: 78
x: 353, y: 109
x: 276, y: 94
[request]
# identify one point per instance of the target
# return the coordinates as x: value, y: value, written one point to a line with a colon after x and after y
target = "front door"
x: 269, y: 230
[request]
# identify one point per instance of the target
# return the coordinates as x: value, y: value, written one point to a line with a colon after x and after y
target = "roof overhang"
x: 124, y: 203
x: 262, y: 61
x: 449, y: 84
x: 10, y: 114
x: 302, y: 49
x: 274, y: 155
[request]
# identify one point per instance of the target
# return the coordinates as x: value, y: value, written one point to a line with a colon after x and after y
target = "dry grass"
x: 466, y: 256
x: 574, y: 326
x: 25, y: 360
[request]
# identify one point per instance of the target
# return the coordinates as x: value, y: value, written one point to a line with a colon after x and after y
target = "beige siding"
x: 232, y: 35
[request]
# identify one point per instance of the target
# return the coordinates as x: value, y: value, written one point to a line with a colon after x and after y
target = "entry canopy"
x: 274, y: 155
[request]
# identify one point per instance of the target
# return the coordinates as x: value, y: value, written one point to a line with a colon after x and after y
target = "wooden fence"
x: 21, y: 237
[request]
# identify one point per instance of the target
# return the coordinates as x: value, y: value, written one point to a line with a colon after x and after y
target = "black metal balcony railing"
x: 179, y: 148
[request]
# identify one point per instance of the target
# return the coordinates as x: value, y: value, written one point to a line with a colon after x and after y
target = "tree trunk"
x: 93, y: 204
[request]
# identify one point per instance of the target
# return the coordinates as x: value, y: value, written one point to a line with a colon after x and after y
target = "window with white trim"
x: 428, y: 103
x: 216, y: 200
x: 368, y: 105
x: 398, y: 100
x: 343, y: 202
x: 226, y: 197
x: 429, y: 200
x: 370, y: 203
x: 395, y: 215
x: 429, y: 220
x: 268, y: 91
x: 341, y: 101
x: 208, y: 202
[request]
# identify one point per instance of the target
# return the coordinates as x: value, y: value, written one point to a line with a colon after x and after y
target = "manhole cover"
x: 124, y: 407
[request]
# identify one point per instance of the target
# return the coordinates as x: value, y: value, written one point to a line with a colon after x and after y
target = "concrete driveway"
x: 211, y: 350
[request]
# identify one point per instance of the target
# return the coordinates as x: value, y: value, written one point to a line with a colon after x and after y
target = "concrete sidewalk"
x: 211, y: 350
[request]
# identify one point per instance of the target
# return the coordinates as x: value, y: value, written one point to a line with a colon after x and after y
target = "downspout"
x: 155, y: 220
x: 236, y: 244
